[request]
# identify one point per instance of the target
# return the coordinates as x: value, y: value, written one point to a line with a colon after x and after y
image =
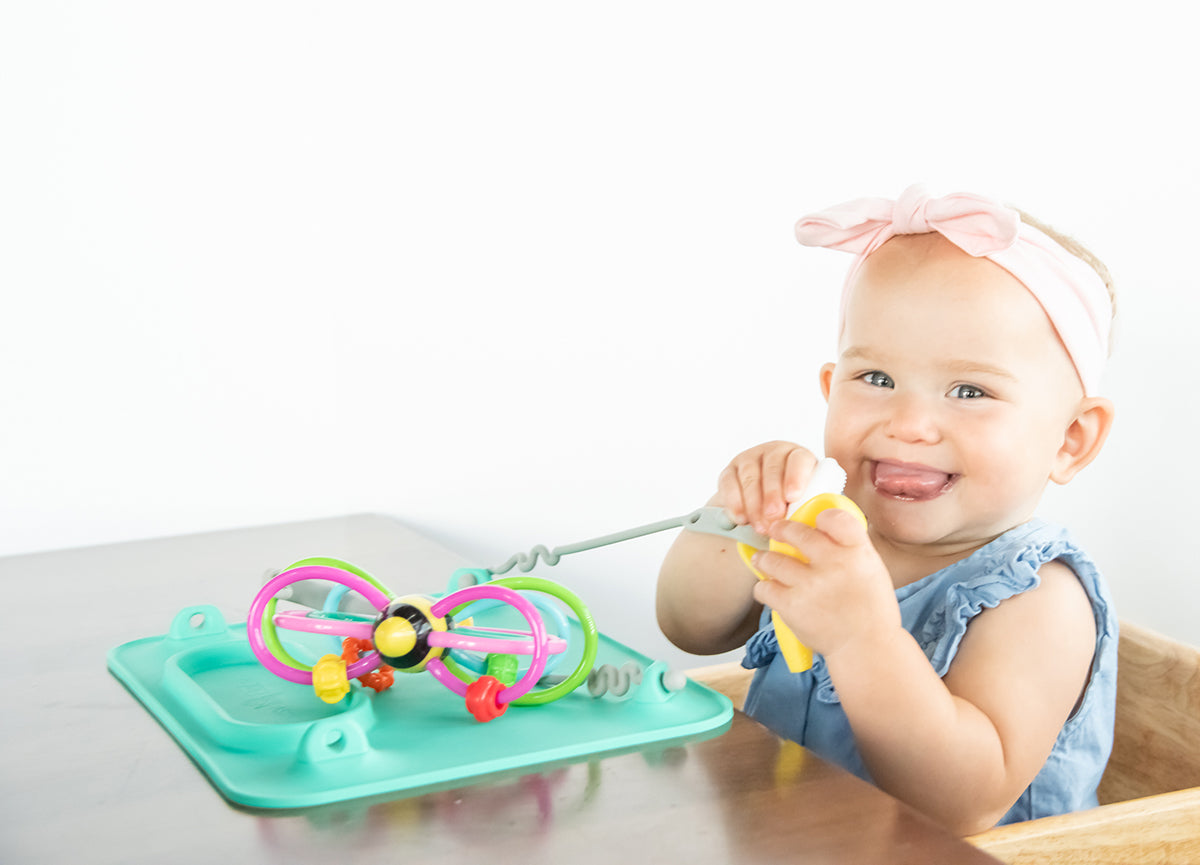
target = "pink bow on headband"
x: 977, y: 225
x: 1073, y: 295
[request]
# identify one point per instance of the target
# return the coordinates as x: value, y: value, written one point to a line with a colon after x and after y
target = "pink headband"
x: 1072, y: 294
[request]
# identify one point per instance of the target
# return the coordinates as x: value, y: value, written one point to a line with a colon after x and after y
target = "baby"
x: 966, y: 650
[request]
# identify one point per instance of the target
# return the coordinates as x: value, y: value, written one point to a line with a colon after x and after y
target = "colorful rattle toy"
x: 416, y: 633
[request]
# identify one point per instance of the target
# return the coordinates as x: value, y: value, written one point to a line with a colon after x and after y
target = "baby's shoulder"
x: 1008, y: 592
x: 1058, y: 600
x: 1057, y: 605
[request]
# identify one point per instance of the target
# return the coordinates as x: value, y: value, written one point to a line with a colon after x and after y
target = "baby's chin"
x: 888, y: 529
x: 909, y: 521
x: 895, y: 526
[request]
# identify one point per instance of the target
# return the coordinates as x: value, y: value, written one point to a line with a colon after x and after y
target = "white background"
x: 523, y: 273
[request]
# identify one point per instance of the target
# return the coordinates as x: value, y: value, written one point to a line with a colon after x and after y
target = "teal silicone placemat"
x: 267, y: 743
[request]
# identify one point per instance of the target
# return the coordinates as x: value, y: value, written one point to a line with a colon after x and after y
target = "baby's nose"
x: 912, y: 419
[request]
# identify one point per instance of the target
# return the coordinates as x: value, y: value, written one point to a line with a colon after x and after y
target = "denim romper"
x: 936, y: 611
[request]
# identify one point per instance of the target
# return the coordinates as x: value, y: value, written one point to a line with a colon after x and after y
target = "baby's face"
x: 950, y: 397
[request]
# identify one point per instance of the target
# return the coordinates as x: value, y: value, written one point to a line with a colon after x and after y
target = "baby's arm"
x: 705, y: 598
x: 960, y: 748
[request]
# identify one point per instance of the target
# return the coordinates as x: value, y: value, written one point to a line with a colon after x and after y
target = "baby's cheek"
x: 1006, y: 481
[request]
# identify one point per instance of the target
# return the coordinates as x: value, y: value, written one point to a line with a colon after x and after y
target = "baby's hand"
x: 757, y: 485
x: 842, y: 595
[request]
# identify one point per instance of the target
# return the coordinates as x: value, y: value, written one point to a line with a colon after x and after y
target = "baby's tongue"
x: 909, y: 481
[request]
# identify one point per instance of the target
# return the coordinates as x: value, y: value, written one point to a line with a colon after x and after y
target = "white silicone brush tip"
x: 827, y: 477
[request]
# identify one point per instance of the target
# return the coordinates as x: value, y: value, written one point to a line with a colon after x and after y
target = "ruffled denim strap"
x: 761, y: 648
x: 938, y: 610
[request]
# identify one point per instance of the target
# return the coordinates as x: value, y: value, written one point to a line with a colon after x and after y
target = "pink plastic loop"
x: 315, y: 623
x: 478, y: 642
x: 307, y: 572
x: 437, y: 669
x: 537, y: 627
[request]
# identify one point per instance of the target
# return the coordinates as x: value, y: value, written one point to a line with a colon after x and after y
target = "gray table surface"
x: 87, y: 775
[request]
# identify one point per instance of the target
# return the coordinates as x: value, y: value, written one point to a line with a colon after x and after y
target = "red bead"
x: 481, y: 698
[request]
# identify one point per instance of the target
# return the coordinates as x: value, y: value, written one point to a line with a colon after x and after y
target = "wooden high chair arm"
x: 731, y: 679
x: 1156, y: 830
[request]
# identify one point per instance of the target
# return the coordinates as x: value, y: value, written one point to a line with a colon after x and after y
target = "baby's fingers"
x: 729, y: 492
x: 740, y: 487
x: 771, y: 593
x: 835, y: 529
x: 750, y: 489
x: 842, y: 527
x: 779, y: 568
x: 773, y: 504
x: 797, y: 470
x: 757, y: 485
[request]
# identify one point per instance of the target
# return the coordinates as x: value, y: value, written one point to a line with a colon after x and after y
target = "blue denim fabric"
x: 936, y: 611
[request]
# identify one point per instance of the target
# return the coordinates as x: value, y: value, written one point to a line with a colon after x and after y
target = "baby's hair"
x: 1078, y: 250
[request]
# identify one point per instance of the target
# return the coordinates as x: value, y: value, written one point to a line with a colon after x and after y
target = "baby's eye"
x: 967, y: 391
x: 878, y: 379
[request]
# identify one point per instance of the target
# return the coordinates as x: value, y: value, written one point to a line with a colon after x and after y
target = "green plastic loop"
x: 271, y: 635
x: 345, y: 566
x: 591, y: 638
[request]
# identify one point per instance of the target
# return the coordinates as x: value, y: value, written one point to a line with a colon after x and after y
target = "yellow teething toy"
x: 797, y: 655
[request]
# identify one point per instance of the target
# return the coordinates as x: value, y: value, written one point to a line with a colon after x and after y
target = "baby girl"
x: 965, y: 649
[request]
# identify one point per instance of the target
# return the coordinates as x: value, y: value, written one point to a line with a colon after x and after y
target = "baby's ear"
x: 827, y: 379
x: 1084, y: 438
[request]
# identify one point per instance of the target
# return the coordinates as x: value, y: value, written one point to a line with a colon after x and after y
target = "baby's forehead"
x: 928, y: 273
x: 921, y: 295
x: 917, y: 251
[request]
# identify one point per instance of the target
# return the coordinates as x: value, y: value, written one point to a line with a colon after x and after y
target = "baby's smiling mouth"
x: 910, y: 482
